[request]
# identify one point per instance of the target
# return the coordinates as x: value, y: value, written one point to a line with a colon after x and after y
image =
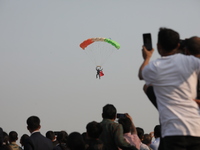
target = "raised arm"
x: 146, y: 56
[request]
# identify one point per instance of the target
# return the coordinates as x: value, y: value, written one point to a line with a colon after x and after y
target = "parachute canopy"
x: 87, y: 42
x: 99, y: 49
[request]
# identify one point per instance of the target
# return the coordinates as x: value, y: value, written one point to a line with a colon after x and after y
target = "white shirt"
x: 174, y: 79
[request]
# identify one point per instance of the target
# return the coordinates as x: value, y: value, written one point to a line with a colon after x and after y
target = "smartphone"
x: 120, y: 115
x: 147, y: 41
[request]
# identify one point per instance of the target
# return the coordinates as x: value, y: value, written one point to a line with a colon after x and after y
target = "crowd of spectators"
x: 172, y: 87
x: 111, y: 133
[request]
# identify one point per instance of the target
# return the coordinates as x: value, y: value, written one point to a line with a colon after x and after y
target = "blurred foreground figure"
x: 174, y: 78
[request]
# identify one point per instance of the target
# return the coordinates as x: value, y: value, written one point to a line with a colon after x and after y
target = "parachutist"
x: 99, y: 72
x: 99, y: 52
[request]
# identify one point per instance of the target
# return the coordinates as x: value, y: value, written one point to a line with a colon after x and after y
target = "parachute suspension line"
x: 89, y: 56
x: 106, y: 53
x: 99, y: 49
x: 91, y: 52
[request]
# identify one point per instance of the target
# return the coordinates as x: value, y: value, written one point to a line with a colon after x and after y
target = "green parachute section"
x: 114, y: 43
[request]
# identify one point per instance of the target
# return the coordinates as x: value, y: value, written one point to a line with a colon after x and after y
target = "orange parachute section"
x: 86, y: 43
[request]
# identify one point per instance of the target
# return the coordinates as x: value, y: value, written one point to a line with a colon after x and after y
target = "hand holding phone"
x: 121, y: 115
x: 147, y: 41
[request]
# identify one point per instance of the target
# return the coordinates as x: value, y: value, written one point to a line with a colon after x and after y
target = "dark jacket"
x: 38, y: 142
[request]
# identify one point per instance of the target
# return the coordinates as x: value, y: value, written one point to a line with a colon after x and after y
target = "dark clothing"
x: 1, y: 136
x: 98, y: 73
x: 181, y: 143
x: 151, y: 95
x: 38, y: 142
x: 95, y: 144
x: 5, y: 147
x: 55, y: 143
x: 112, y: 136
x: 60, y: 147
x: 161, y: 144
x: 198, y: 90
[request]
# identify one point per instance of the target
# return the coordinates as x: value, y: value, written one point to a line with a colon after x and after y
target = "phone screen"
x: 121, y: 115
x: 147, y: 41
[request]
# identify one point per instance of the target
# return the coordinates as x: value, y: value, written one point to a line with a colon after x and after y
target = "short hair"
x: 33, y: 122
x: 157, y: 131
x: 168, y: 39
x: 109, y: 111
x: 147, y: 139
x: 126, y: 124
x: 5, y: 138
x: 62, y: 137
x: 140, y: 132
x: 50, y: 135
x: 13, y: 136
x: 193, y: 45
x: 94, y: 129
x: 23, y: 139
x: 75, y: 141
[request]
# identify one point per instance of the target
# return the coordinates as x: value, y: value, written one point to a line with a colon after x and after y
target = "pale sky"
x: 44, y: 72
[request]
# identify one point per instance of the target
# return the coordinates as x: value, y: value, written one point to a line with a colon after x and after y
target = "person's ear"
x: 158, y: 46
x: 178, y: 46
x: 115, y: 116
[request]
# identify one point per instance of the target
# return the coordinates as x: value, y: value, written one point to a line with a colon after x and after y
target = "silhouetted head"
x: 50, y: 135
x: 62, y: 137
x: 140, y: 133
x: 5, y: 138
x: 23, y: 139
x: 33, y: 123
x: 13, y: 136
x: 94, y: 129
x: 75, y: 141
x: 193, y: 46
x: 109, y: 112
x: 157, y: 131
x: 147, y: 139
x: 168, y: 40
x: 126, y: 124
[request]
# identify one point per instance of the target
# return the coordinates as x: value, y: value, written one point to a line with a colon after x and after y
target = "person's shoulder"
x: 182, y: 56
x: 143, y: 147
x: 109, y: 122
x: 14, y: 146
